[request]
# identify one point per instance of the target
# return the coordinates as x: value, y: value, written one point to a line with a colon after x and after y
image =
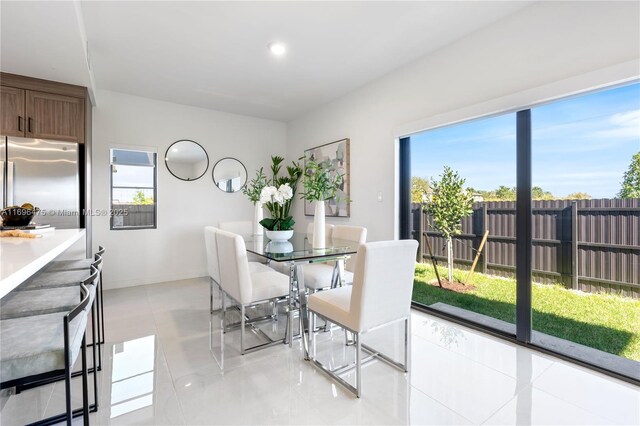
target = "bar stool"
x: 43, y: 348
x: 84, y: 264
x: 49, y: 291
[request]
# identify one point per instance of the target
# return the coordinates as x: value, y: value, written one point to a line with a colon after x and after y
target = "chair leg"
x: 358, y: 364
x: 242, y: 326
x: 223, y: 310
x: 85, y: 385
x: 312, y: 335
x: 223, y: 313
x: 93, y: 348
x: 67, y: 392
x: 101, y: 317
x: 407, y: 344
x: 210, y: 295
x: 97, y: 342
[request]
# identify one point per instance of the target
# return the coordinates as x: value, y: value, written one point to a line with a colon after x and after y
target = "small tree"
x: 140, y: 199
x: 631, y: 180
x: 449, y: 204
x: 419, y: 189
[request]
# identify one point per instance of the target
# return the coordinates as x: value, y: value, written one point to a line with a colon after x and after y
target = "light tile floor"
x: 161, y: 367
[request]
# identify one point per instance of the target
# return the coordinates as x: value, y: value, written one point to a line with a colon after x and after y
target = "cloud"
x: 590, y: 134
x: 624, y: 125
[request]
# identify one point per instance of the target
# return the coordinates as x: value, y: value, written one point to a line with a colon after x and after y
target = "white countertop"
x: 20, y: 258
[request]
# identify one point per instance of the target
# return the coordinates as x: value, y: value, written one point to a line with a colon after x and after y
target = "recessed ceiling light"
x: 277, y: 49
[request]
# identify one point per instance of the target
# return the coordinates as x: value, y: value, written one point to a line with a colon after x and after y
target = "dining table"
x: 294, y: 254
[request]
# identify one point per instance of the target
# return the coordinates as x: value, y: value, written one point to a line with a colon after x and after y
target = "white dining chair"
x: 244, y: 228
x: 245, y: 286
x: 380, y: 295
x: 324, y: 275
x: 213, y: 266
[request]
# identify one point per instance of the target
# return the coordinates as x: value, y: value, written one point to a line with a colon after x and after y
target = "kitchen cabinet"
x: 12, y: 104
x: 52, y: 116
x: 35, y: 114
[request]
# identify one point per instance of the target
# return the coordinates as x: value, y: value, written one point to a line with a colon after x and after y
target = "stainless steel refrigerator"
x: 44, y: 173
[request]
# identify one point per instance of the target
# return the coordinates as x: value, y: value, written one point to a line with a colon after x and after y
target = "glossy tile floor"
x: 159, y: 369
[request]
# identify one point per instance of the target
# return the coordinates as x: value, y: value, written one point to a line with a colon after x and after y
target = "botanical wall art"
x: 335, y: 157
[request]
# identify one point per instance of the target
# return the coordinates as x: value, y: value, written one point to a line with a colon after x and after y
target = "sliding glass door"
x: 464, y: 187
x: 549, y: 246
x: 586, y: 220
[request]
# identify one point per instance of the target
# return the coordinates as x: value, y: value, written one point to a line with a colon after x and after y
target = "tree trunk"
x: 450, y: 260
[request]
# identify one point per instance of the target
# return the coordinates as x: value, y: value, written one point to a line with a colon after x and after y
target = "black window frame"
x: 522, y: 333
x: 111, y: 188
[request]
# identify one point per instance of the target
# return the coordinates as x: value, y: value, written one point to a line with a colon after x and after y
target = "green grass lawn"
x: 606, y: 322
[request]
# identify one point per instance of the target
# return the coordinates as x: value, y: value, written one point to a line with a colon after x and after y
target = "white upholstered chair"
x: 244, y: 228
x: 246, y: 286
x: 380, y: 295
x: 324, y: 275
x: 213, y: 266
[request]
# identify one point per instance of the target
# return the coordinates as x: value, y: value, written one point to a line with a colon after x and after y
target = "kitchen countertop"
x: 20, y: 258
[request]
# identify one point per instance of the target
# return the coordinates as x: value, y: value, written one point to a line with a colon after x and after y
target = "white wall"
x: 544, y: 51
x: 175, y: 250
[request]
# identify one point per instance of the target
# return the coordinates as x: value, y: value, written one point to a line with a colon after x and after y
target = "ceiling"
x: 214, y: 54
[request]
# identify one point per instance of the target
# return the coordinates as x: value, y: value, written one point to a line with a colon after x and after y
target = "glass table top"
x: 299, y: 247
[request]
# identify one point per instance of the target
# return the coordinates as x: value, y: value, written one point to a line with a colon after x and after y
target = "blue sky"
x: 582, y: 144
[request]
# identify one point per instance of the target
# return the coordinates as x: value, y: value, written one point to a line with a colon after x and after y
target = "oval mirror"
x: 186, y: 160
x: 229, y: 175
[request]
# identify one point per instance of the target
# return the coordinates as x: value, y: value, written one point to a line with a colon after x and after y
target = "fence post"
x: 485, y: 224
x: 421, y: 230
x: 574, y: 245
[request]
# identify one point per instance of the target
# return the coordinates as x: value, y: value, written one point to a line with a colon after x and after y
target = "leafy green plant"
x: 278, y: 193
x: 631, y: 180
x: 320, y: 182
x: 449, y: 204
x: 253, y: 189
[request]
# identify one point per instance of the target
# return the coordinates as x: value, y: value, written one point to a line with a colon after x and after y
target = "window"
x: 133, y: 189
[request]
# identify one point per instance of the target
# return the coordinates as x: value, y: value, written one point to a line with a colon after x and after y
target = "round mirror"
x: 229, y: 175
x: 186, y: 160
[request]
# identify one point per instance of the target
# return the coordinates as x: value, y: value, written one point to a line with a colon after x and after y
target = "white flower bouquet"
x: 276, y: 201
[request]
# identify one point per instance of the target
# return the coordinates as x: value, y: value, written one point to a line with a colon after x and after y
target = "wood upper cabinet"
x: 12, y: 112
x: 35, y: 114
x: 51, y: 116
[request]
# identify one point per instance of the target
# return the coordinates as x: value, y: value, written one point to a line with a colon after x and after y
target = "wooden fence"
x: 588, y: 245
x: 141, y: 215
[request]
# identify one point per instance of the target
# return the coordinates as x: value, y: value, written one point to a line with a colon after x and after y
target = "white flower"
x: 267, y: 194
x: 278, y: 198
x: 285, y: 191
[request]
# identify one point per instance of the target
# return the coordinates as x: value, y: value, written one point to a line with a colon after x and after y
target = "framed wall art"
x: 338, y: 155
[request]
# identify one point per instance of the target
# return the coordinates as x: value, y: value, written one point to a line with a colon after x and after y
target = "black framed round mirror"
x: 186, y: 160
x: 229, y: 175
